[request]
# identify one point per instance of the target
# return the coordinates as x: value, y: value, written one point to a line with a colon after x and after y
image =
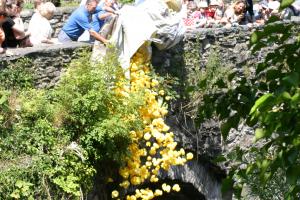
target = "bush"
x: 17, y: 75
x: 65, y: 132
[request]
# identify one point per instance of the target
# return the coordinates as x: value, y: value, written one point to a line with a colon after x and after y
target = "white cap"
x: 274, y: 5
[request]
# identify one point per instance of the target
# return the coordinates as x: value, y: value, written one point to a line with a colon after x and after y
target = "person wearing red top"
x: 212, y: 8
x: 211, y: 13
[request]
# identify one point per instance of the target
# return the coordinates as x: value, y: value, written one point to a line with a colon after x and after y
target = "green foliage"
x: 28, y: 6
x: 52, y: 141
x: 23, y: 190
x: 126, y: 1
x: 206, y: 81
x: 267, y: 100
x: 61, y: 3
x: 17, y: 75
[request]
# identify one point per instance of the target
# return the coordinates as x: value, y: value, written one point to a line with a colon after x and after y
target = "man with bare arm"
x: 79, y: 21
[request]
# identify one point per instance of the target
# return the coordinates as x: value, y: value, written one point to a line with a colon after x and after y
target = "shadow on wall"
x: 171, y: 62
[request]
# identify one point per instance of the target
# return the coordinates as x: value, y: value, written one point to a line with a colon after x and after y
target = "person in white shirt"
x: 39, y: 25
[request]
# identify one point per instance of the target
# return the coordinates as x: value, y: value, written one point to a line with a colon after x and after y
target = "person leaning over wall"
x: 104, y: 19
x: 79, y: 21
x: 236, y: 14
x: 14, y: 35
x: 39, y: 25
x: 17, y: 8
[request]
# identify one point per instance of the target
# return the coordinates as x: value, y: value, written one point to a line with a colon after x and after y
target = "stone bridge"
x: 231, y: 45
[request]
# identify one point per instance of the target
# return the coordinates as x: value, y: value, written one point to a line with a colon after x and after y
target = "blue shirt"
x: 79, y: 21
x: 97, y: 23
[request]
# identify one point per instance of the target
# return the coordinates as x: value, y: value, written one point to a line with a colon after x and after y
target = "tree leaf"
x: 273, y: 74
x: 219, y: 159
x: 259, y: 102
x: 286, y: 3
x: 227, y: 184
x: 3, y: 99
x: 255, y: 37
x: 286, y: 95
x: 232, y: 122
x: 272, y: 19
x: 260, y: 133
x: 232, y: 75
x: 292, y: 79
x: 225, y: 128
x: 296, y: 98
x: 293, y: 174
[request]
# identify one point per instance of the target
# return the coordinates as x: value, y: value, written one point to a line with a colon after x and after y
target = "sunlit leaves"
x: 286, y: 3
x: 269, y: 102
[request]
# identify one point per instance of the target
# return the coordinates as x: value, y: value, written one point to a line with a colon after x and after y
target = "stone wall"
x: 48, y: 61
x: 59, y: 18
x: 231, y: 45
x: 188, y: 57
x: 183, y: 61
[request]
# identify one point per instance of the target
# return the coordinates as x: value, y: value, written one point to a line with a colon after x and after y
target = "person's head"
x: 191, y: 6
x: 11, y: 8
x: 19, y: 6
x: 37, y: 4
x: 264, y: 7
x: 91, y: 5
x: 202, y: 6
x: 239, y: 7
x: 213, y: 6
x: 47, y: 10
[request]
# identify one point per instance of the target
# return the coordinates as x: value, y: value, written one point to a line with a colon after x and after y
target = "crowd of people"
x: 91, y: 16
x: 12, y: 30
x: 215, y: 13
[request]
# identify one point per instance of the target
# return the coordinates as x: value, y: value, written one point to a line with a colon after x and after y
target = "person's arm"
x: 47, y: 32
x: 47, y: 41
x: 105, y: 15
x: 83, y: 21
x: 2, y: 36
x: 18, y: 32
x: 98, y: 9
x: 97, y: 36
x: 108, y: 9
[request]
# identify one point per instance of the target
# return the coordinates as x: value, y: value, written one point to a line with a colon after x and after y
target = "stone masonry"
x: 48, y: 61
